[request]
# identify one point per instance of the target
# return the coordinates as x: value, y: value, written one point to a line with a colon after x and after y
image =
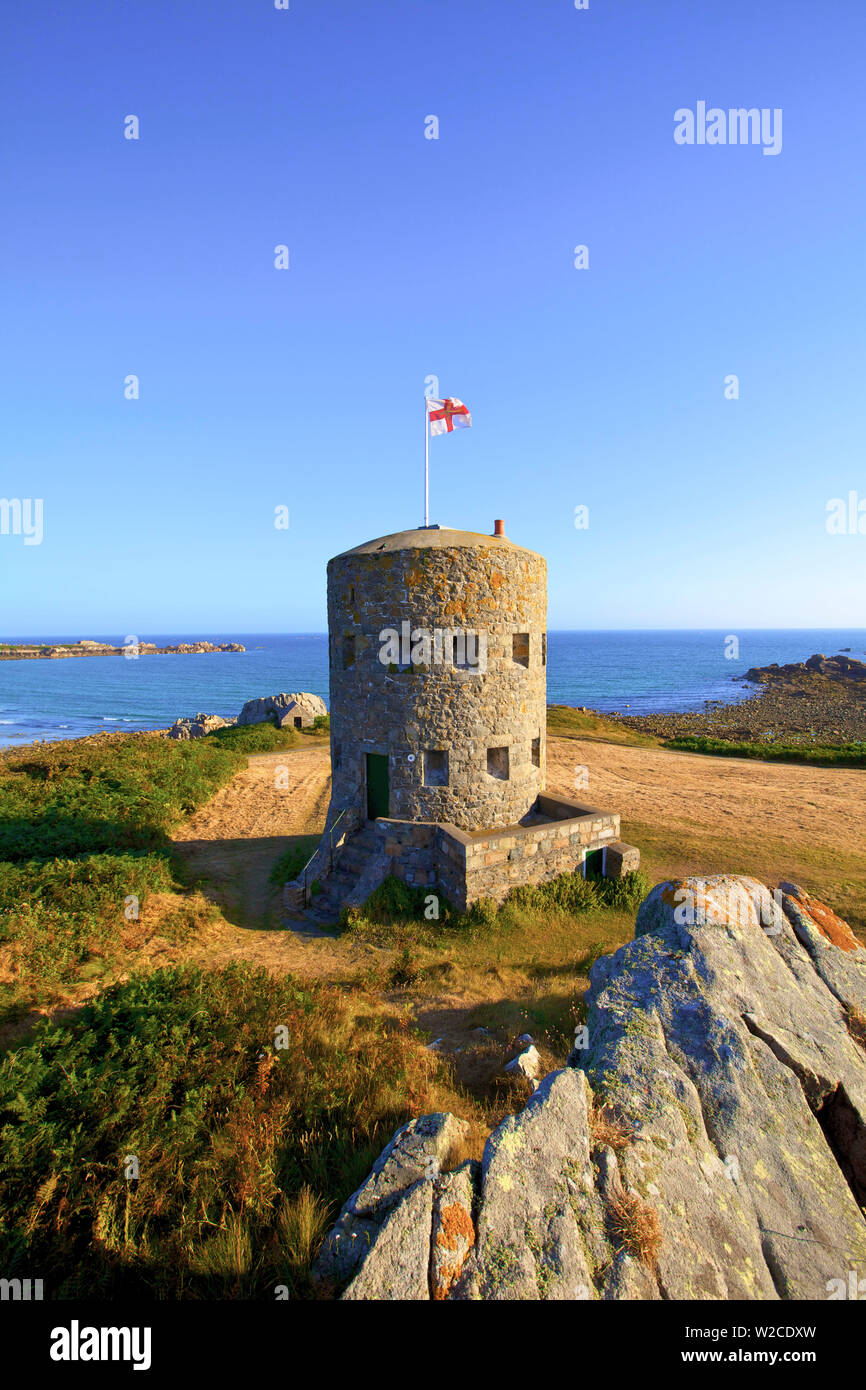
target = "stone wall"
x: 439, y: 580
x: 494, y: 863
x: 468, y: 866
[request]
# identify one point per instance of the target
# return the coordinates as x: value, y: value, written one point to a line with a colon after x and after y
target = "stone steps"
x: 351, y: 860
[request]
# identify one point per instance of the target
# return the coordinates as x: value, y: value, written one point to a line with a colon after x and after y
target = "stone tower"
x: 453, y: 729
x: 438, y: 706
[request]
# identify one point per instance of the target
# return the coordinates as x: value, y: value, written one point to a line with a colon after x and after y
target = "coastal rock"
x: 199, y: 726
x: 298, y: 711
x: 708, y: 1142
x: 527, y: 1063
x: 837, y: 667
x: 452, y: 1236
x: 417, y: 1151
x: 529, y: 1243
x: 396, y: 1264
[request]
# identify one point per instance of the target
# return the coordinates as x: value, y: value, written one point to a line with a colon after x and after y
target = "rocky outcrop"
x: 837, y: 667
x: 706, y: 1141
x: 299, y: 710
x: 87, y: 647
x: 199, y: 726
x: 381, y: 1241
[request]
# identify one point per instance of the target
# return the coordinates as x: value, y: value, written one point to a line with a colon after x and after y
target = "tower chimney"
x: 499, y: 528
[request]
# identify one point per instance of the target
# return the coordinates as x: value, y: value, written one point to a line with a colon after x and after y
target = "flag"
x: 447, y: 415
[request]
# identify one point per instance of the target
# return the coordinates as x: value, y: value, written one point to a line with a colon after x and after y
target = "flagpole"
x: 426, y: 463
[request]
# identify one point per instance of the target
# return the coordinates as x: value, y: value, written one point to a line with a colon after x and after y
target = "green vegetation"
x: 255, y: 738
x: 62, y: 920
x: 528, y: 958
x: 395, y: 903
x: 565, y: 722
x: 243, y: 1146
x: 290, y: 863
x: 84, y: 845
x: 772, y: 750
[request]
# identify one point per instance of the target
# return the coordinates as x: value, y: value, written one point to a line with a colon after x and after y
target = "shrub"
x: 395, y: 901
x: 109, y: 793
x: 242, y: 1148
x: 636, y: 1227
x: 256, y: 738
x: 55, y: 916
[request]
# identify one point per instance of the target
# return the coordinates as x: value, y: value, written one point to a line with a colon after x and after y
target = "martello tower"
x: 438, y: 661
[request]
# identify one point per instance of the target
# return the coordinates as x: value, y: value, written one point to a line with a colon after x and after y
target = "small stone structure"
x: 296, y: 711
x: 438, y: 695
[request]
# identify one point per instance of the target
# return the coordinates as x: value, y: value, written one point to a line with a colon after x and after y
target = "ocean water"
x: 640, y: 672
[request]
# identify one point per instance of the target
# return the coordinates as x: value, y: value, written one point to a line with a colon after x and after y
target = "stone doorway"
x: 378, y: 787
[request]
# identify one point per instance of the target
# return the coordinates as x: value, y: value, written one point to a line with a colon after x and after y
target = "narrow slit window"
x: 536, y: 752
x: 520, y: 648
x: 435, y: 768
x: 497, y: 763
x: 544, y: 648
x: 348, y: 652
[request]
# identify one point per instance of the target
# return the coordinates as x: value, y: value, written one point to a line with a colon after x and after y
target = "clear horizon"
x: 322, y: 632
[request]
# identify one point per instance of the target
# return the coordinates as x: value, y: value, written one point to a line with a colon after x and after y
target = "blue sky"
x: 410, y: 257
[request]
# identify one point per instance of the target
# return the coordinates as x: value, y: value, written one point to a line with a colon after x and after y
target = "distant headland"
x: 24, y: 651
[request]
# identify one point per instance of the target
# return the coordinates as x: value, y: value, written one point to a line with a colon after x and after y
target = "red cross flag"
x: 447, y: 415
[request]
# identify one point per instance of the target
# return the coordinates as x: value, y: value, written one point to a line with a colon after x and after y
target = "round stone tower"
x: 438, y: 690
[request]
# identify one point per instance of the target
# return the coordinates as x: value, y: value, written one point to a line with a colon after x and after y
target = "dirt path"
x: 232, y: 843
x: 722, y: 796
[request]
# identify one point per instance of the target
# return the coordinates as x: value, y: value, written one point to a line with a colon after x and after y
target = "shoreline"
x: 58, y: 651
x: 802, y: 710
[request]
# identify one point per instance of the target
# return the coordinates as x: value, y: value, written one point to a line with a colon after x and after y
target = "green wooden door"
x: 593, y: 864
x: 378, y: 790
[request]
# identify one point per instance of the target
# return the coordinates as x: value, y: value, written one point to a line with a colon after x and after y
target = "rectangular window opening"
x: 544, y: 648
x: 497, y: 763
x: 348, y: 652
x: 435, y: 768
x: 536, y: 752
x: 520, y: 648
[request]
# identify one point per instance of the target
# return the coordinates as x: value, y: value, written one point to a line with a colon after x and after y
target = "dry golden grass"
x: 607, y: 1130
x: 636, y: 1227
x: 856, y: 1021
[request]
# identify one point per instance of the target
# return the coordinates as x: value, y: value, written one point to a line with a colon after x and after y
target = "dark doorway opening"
x: 378, y: 789
x: 593, y: 864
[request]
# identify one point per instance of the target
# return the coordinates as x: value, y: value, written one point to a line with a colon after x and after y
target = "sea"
x: 637, y: 672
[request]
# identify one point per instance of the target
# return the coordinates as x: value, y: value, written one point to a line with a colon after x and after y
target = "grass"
x: 290, y: 863
x: 246, y: 1150
x: 679, y: 849
x: 522, y: 967
x: 85, y: 850
x: 635, y: 1228
x: 772, y: 750
x: 114, y: 792
x: 162, y: 1144
x: 565, y: 722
